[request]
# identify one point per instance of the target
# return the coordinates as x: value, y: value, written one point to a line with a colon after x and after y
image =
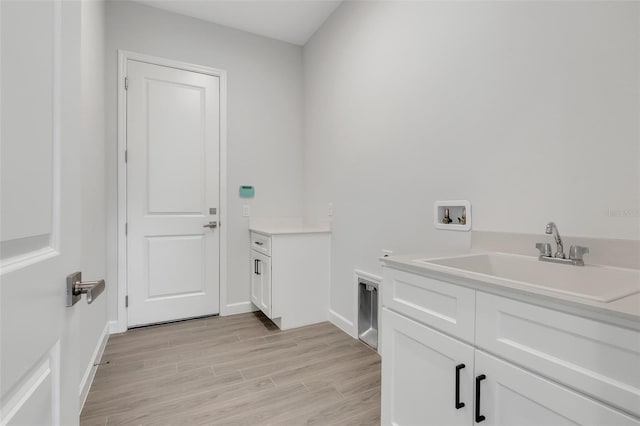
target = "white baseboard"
x: 116, y: 327
x: 342, y: 323
x: 237, y: 308
x: 90, y: 372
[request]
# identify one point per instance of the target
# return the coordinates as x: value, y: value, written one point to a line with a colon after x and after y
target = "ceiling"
x: 293, y: 21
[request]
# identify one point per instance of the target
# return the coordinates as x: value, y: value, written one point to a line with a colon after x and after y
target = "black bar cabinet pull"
x: 258, y: 267
x: 255, y: 266
x: 479, y: 417
x: 459, y: 404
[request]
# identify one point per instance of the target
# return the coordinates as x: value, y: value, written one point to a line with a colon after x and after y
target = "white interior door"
x: 173, y: 139
x: 40, y: 231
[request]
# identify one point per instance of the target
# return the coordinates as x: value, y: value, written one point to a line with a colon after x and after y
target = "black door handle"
x: 258, y: 267
x: 459, y: 404
x: 255, y: 266
x: 479, y: 417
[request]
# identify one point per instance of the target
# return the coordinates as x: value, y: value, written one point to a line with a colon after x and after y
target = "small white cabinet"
x: 546, y: 367
x: 261, y: 282
x: 290, y: 276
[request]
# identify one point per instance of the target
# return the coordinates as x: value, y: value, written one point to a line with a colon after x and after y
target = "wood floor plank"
x: 339, y: 412
x: 237, y: 370
x: 190, y: 384
x: 300, y: 403
x: 299, y: 361
x: 345, y: 373
x: 175, y: 412
x: 93, y: 421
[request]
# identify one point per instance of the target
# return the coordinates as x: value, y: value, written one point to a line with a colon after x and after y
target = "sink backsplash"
x: 621, y: 253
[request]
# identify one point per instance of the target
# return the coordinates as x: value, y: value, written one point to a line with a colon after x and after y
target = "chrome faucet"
x: 553, y: 229
x: 575, y: 252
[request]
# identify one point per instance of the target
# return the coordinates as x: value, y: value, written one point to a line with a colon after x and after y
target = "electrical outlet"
x: 387, y: 253
x: 245, y: 210
x: 330, y: 209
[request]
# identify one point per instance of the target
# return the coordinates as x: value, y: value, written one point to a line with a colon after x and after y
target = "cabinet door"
x: 419, y: 375
x: 256, y: 282
x: 510, y: 396
x: 264, y: 275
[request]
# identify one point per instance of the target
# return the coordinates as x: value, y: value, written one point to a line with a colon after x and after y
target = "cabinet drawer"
x: 599, y: 359
x: 443, y: 306
x: 261, y: 243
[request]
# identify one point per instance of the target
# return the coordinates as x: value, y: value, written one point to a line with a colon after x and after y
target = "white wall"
x: 530, y: 110
x: 92, y: 319
x: 264, y: 119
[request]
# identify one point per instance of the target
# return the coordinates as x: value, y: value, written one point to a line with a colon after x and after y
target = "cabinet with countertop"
x: 290, y: 273
x: 459, y: 350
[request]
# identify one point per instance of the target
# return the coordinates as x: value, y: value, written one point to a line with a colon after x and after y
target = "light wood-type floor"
x: 236, y: 370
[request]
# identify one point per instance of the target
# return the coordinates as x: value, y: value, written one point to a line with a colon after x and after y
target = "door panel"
x: 256, y: 281
x: 264, y: 269
x: 169, y: 277
x: 261, y: 282
x: 28, y: 27
x: 513, y: 396
x: 39, y: 232
x: 176, y: 170
x: 173, y: 135
x: 418, y: 375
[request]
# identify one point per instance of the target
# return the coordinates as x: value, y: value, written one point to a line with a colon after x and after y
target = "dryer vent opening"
x: 368, y: 312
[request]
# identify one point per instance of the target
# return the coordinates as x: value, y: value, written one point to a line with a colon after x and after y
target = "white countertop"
x: 626, y: 308
x: 287, y: 229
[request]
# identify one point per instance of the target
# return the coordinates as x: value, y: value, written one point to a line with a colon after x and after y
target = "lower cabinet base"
x: 429, y: 378
x: 292, y: 285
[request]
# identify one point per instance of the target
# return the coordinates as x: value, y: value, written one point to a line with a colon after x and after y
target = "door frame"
x: 122, y: 284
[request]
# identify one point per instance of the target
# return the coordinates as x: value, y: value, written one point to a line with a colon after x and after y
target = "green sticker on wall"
x: 247, y: 191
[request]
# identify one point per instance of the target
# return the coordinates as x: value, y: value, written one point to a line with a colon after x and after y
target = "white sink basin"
x: 594, y: 282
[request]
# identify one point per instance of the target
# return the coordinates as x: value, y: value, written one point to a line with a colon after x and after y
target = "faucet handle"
x: 545, y: 249
x: 576, y: 252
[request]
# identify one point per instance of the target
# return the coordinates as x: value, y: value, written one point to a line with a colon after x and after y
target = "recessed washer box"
x: 456, y: 210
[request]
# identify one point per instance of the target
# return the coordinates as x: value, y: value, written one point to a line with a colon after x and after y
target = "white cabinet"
x: 261, y: 282
x: 421, y: 368
x: 290, y: 276
x: 510, y: 395
x: 546, y: 368
x: 445, y: 307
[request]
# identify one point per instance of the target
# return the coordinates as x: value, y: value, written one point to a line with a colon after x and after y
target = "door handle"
x: 479, y: 417
x: 258, y: 269
x: 212, y: 224
x: 459, y: 404
x: 76, y: 288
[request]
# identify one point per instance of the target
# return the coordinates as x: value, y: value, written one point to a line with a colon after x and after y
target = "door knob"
x: 76, y: 288
x: 212, y: 224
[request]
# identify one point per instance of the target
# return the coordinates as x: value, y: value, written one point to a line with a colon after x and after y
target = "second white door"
x: 173, y: 139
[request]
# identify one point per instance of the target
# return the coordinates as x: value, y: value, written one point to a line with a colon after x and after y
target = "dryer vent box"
x: 368, y: 312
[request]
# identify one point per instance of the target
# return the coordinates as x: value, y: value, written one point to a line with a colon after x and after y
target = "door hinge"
x: 126, y: 83
x: 126, y: 228
x: 126, y: 155
x: 126, y: 301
